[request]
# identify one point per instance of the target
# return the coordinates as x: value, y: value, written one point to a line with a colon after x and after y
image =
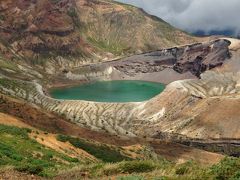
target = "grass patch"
x: 26, y: 155
x: 17, y: 150
x: 185, y: 168
x: 130, y: 178
x: 137, y: 166
x: 2, y: 17
x: 55, y: 1
x: 7, y: 64
x: 115, y: 48
x: 229, y: 168
x: 102, y: 152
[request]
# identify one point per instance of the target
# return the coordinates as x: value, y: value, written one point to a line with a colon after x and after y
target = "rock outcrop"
x: 196, y: 58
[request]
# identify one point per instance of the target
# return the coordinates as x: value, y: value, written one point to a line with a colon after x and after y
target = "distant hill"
x: 50, y: 28
x: 226, y: 32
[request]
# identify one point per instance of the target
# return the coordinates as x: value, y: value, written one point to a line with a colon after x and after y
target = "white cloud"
x: 193, y: 15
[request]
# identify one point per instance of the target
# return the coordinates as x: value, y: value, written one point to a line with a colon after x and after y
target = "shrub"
x: 26, y: 155
x: 49, y: 155
x: 101, y: 152
x: 2, y: 17
x: 228, y: 168
x: 130, y: 178
x: 23, y: 132
x: 17, y: 157
x: 160, y: 178
x: 69, y: 159
x: 236, y: 175
x: 72, y: 13
x: 55, y: 1
x: 137, y: 166
x: 29, y: 168
x: 185, y: 168
x: 111, y: 169
x: 181, y: 170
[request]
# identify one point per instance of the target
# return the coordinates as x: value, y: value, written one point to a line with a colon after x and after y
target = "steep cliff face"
x: 37, y: 29
x: 195, y: 58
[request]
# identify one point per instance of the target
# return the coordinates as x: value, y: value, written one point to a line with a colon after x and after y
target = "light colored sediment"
x: 175, y: 110
x: 180, y: 109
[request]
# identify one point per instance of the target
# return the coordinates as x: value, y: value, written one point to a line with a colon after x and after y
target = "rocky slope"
x: 49, y: 42
x: 163, y: 66
x: 36, y: 30
x: 187, y: 109
x: 195, y: 58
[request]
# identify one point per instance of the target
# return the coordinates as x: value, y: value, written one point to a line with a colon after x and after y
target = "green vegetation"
x: 115, y: 48
x: 130, y: 178
x: 15, y: 85
x: 137, y: 167
x: 7, y: 64
x: 55, y: 1
x: 229, y: 168
x: 72, y: 13
x: 26, y: 155
x: 2, y: 17
x: 102, y: 152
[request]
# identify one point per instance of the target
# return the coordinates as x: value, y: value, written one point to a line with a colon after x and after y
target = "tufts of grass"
x: 130, y: 178
x: 7, y: 64
x: 113, y: 47
x: 2, y: 17
x: 137, y: 166
x: 17, y: 150
x: 55, y: 1
x: 228, y: 168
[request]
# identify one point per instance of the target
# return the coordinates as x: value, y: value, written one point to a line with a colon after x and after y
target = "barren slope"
x: 46, y: 29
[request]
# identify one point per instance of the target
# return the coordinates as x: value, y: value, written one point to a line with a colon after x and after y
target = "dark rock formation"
x: 230, y: 147
x: 196, y: 58
x: 200, y: 58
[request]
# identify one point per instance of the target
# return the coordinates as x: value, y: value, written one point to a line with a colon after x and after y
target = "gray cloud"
x: 194, y: 15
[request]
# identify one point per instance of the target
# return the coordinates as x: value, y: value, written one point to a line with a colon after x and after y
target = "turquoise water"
x: 110, y: 91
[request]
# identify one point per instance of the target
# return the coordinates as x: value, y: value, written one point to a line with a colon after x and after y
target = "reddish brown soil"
x: 180, y: 153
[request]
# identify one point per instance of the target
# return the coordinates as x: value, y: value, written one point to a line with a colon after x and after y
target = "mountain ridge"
x: 80, y: 28
x: 50, y: 43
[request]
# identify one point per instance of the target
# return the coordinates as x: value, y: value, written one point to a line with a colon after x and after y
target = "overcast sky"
x: 194, y: 15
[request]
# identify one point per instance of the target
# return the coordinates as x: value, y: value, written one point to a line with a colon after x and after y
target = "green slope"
x: 24, y: 154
